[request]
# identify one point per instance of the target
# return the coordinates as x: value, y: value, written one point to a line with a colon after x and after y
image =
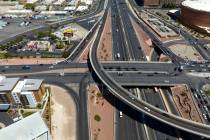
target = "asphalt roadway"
x: 115, y: 88
x: 128, y: 123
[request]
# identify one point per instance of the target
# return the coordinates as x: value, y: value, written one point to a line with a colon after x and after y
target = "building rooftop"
x: 5, y: 119
x: 19, y: 86
x: 52, y: 12
x: 31, y: 127
x: 202, y: 5
x: 19, y: 11
x: 32, y: 84
x: 7, y: 84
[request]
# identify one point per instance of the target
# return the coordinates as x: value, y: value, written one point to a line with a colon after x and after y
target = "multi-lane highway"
x: 143, y: 109
x: 183, y: 124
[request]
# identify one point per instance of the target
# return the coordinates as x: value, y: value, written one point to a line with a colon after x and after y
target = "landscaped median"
x: 100, y: 114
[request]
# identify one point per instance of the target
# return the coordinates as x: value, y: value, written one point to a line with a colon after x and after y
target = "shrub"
x: 97, y: 118
x: 30, y: 6
x: 39, y: 105
x: 21, y: 111
x: 99, y: 94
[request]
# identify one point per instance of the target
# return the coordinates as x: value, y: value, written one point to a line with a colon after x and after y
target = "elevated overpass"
x: 140, y: 105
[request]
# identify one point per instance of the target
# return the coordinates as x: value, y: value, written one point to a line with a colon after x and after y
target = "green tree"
x: 53, y: 37
x: 29, y: 6
x: 97, y: 118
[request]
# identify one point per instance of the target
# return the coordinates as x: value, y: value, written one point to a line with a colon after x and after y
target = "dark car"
x: 26, y: 67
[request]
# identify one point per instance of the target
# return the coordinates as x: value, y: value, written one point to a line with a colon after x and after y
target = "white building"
x: 70, y: 8
x: 41, y: 8
x: 22, y: 12
x: 30, y: 128
x: 81, y: 8
x: 25, y: 91
x: 87, y: 2
x: 31, y: 1
x: 54, y: 13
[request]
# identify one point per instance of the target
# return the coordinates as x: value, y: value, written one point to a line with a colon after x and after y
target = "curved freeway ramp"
x: 140, y: 105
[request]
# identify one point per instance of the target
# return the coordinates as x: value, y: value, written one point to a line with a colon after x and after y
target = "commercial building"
x: 151, y: 2
x: 175, y: 2
x: 6, y: 86
x: 26, y: 92
x: 76, y: 9
x: 87, y: 2
x: 162, y: 30
x: 161, y: 2
x: 30, y: 128
x: 56, y: 13
x: 195, y: 14
x: 68, y: 32
x: 38, y: 46
x: 22, y: 12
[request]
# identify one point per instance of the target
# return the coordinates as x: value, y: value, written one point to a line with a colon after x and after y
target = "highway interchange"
x: 133, y: 86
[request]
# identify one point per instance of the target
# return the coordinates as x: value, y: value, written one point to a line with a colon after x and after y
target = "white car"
x: 147, y: 109
x: 117, y: 55
x: 61, y: 73
x: 204, y: 116
x: 166, y: 81
x: 121, y: 114
x: 51, y: 67
x: 132, y: 97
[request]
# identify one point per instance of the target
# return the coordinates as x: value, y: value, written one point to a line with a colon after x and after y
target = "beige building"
x: 196, y: 14
x: 26, y: 92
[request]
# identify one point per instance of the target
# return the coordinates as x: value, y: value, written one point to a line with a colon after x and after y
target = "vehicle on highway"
x: 117, y: 55
x: 61, y: 74
x: 26, y: 67
x: 6, y: 67
x: 196, y: 95
x: 121, y: 114
x: 166, y: 81
x: 25, y: 23
x: 205, y: 107
x: 204, y: 116
x: 51, y: 67
x: 119, y: 73
x: 204, y: 69
x: 164, y: 114
x: 147, y: 109
x: 132, y: 97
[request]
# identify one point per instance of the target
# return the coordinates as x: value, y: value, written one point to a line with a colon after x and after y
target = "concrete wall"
x: 161, y: 2
x: 151, y: 2
x: 195, y: 18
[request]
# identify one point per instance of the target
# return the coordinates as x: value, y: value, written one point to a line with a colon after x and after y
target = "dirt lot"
x: 186, y: 51
x: 105, y: 46
x: 25, y: 61
x: 183, y: 100
x: 143, y: 38
x: 100, y: 112
x: 63, y: 123
x: 164, y: 58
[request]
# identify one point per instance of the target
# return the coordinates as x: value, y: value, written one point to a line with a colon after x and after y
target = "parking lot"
x: 14, y: 28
